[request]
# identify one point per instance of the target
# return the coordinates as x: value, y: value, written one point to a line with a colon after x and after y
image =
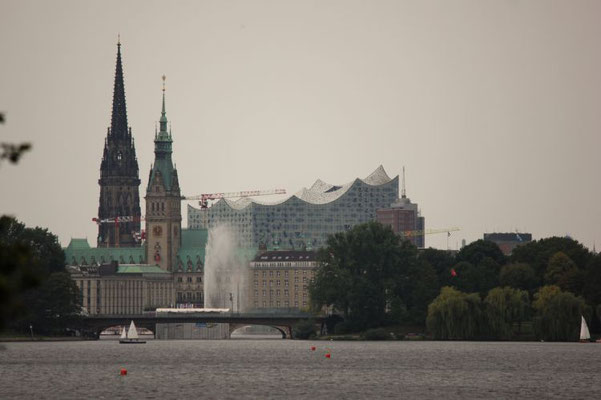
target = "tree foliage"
x: 518, y: 276
x: 558, y: 314
x: 34, y: 287
x: 504, y: 307
x: 538, y: 253
x: 455, y: 315
x: 364, y: 274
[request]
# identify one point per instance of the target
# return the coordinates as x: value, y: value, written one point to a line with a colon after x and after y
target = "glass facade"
x: 305, y: 219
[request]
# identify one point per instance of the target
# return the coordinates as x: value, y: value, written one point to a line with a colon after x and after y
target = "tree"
x: 537, y: 253
x: 559, y: 264
x: 55, y: 305
x: 33, y: 283
x: 441, y: 260
x: 362, y: 273
x: 481, y: 278
x: 558, y: 314
x: 518, y: 276
x: 479, y: 250
x: 455, y: 315
x: 504, y: 307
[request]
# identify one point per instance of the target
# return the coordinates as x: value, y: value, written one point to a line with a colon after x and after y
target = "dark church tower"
x: 119, y: 181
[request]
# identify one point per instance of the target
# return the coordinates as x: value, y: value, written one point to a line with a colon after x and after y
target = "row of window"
x: 279, y: 304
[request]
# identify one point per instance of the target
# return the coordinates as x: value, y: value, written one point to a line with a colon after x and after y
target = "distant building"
x: 305, y: 219
x: 179, y: 254
x: 280, y: 279
x: 404, y: 218
x: 122, y: 289
x: 508, y: 241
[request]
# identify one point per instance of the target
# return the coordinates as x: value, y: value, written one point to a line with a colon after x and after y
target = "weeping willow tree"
x: 504, y: 307
x: 455, y: 315
x: 558, y: 314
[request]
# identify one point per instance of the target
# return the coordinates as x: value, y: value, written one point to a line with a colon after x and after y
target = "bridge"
x: 282, y: 322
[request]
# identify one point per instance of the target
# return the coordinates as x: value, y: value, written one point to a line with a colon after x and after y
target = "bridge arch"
x: 285, y: 331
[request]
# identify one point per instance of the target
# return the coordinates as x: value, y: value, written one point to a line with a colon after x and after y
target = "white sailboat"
x: 585, y: 335
x: 131, y: 336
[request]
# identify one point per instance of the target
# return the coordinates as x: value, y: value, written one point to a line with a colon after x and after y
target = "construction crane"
x: 429, y: 231
x: 205, y: 197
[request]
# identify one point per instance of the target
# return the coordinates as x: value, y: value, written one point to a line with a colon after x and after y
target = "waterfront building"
x: 119, y: 181
x: 280, y: 279
x: 305, y: 219
x: 508, y: 241
x: 122, y: 289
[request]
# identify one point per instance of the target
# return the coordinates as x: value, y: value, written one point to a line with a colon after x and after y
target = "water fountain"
x: 225, y: 271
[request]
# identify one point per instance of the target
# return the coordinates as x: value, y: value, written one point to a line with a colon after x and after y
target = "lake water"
x: 250, y: 369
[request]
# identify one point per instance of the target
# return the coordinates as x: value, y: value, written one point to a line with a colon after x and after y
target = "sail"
x: 123, y: 334
x: 132, y: 333
x: 584, y: 333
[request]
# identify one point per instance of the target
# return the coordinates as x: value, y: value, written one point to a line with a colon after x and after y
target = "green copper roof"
x: 79, y: 252
x: 140, y: 269
x: 194, y: 238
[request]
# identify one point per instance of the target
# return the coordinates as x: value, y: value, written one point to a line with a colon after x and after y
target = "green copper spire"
x: 162, y: 150
x: 163, y: 120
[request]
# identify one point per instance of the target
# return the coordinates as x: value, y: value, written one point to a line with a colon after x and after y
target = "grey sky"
x: 494, y: 107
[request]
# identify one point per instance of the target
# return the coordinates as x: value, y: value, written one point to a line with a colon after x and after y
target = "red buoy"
x: 312, y: 348
x: 328, y: 355
x: 123, y: 372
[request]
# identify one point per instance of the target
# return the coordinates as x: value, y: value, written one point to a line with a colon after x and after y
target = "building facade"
x: 280, y: 279
x: 119, y: 181
x: 508, y: 241
x: 122, y: 289
x: 405, y: 220
x: 304, y: 220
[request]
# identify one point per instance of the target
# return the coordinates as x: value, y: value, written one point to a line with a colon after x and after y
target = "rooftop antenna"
x: 403, y: 191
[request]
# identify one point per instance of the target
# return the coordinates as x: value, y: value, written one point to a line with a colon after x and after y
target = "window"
x: 264, y: 293
x: 179, y: 279
x: 189, y: 280
x: 264, y: 283
x: 270, y: 283
x: 286, y: 293
x: 264, y: 274
x: 198, y: 279
x: 286, y: 282
x: 256, y: 282
x: 277, y: 273
x: 277, y: 292
x: 277, y: 282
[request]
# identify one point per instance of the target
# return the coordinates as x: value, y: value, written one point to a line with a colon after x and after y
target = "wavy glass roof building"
x: 305, y: 219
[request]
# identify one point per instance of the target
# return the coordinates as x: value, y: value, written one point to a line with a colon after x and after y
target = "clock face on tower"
x: 157, y: 231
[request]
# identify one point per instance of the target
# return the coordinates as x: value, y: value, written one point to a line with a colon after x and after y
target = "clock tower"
x: 163, y: 201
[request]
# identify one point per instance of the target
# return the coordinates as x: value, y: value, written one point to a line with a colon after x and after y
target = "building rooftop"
x: 286, y: 255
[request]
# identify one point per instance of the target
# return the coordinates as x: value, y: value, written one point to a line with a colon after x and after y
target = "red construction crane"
x: 205, y: 197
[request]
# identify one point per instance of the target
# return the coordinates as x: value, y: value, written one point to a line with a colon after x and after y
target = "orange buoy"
x: 312, y: 348
x: 328, y: 355
x: 123, y: 372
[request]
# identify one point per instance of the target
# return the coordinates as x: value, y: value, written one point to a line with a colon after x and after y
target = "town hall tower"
x: 163, y: 201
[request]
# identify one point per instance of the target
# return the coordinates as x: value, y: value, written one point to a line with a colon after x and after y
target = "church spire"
x: 119, y: 116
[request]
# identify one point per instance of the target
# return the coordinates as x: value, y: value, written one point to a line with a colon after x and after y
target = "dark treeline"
x: 372, y: 278
x: 35, y: 290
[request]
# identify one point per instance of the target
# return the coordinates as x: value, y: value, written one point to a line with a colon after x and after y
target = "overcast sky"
x: 493, y: 107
